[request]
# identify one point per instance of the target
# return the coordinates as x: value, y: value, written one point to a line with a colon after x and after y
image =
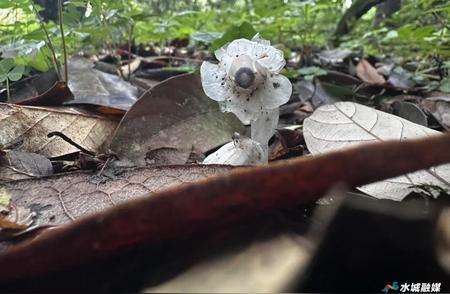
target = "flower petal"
x: 241, y: 46
x: 258, y: 39
x: 221, y: 52
x: 243, y: 152
x: 246, y: 106
x: 271, y: 58
x: 264, y: 126
x: 276, y: 91
x: 213, y: 81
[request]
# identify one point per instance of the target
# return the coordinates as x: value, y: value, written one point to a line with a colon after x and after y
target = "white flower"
x: 241, y: 151
x: 247, y: 81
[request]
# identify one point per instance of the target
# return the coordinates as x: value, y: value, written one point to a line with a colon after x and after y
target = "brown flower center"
x: 244, y: 77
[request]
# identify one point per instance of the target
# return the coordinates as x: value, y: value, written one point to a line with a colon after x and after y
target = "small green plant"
x: 309, y: 73
x: 10, y: 72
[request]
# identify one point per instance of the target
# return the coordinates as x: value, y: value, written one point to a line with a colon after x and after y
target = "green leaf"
x: 244, y: 30
x: 447, y: 64
x: 205, y: 37
x: 390, y: 35
x: 312, y: 71
x: 445, y: 85
x: 7, y: 4
x: 290, y: 73
x: 16, y: 73
x: 3, y: 77
x: 6, y: 65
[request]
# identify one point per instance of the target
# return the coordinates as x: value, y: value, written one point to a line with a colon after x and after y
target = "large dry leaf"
x: 345, y: 124
x: 25, y: 128
x: 60, y: 199
x: 174, y: 115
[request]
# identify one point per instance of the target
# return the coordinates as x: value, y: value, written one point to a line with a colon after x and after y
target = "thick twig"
x: 216, y: 201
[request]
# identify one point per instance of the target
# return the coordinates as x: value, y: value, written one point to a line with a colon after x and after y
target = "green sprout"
x: 10, y: 72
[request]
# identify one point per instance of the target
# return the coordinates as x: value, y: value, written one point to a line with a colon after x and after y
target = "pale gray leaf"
x: 346, y: 124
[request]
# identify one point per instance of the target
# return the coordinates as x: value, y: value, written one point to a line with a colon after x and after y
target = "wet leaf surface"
x: 93, y: 87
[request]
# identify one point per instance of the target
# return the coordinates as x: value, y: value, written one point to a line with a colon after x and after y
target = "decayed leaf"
x: 5, y: 201
x: 61, y: 199
x: 411, y: 112
x: 345, y: 124
x: 314, y: 92
x: 26, y: 128
x: 174, y: 114
x: 17, y: 219
x: 55, y: 95
x: 16, y: 165
x: 368, y: 74
x: 439, y: 107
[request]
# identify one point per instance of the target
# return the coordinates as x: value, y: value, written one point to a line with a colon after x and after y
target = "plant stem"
x: 48, y: 41
x: 130, y: 41
x: 60, y: 12
x: 8, y: 94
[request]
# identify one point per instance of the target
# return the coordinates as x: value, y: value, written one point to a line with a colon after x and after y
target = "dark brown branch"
x: 356, y: 10
x: 208, y: 204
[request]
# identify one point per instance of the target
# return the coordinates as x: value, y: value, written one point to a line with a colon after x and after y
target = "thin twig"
x: 60, y: 12
x: 70, y: 141
x: 130, y: 40
x: 49, y: 41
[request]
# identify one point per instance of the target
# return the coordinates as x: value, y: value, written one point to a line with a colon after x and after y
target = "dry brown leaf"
x: 17, y: 165
x: 175, y: 114
x: 67, y: 197
x: 368, y: 74
x: 25, y: 128
x: 9, y: 225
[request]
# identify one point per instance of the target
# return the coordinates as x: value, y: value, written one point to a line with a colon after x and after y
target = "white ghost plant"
x: 248, y: 83
x: 240, y: 151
